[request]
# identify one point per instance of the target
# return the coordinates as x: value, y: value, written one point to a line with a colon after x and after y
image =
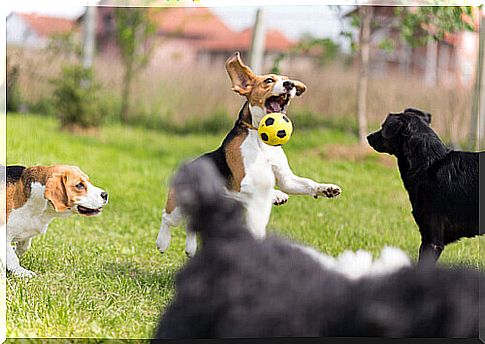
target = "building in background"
x: 188, y: 36
x: 33, y: 31
x: 184, y: 35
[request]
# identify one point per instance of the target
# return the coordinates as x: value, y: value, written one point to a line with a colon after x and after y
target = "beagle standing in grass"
x: 36, y: 195
x: 246, y: 162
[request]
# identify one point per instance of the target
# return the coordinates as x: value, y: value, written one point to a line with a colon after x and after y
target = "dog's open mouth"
x: 88, y: 211
x: 277, y: 103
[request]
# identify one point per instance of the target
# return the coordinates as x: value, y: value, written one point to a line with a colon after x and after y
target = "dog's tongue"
x: 274, y: 106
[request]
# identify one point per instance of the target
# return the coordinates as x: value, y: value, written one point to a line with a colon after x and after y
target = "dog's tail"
x: 200, y: 192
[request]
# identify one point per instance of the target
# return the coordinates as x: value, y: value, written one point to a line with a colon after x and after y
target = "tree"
x: 477, y: 125
x: 134, y: 30
x: 418, y: 26
x: 366, y: 14
x: 325, y: 50
x: 429, y: 25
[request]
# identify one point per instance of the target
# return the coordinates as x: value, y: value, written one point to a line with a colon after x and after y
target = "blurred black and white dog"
x: 237, y: 286
x: 443, y: 184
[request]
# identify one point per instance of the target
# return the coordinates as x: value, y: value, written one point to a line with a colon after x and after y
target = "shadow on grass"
x: 163, y: 277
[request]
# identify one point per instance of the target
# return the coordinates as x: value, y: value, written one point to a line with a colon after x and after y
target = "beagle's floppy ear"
x: 300, y: 87
x: 242, y: 76
x: 391, y: 127
x: 55, y: 192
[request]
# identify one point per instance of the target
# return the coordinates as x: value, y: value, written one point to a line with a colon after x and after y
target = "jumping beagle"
x: 36, y: 195
x: 247, y: 163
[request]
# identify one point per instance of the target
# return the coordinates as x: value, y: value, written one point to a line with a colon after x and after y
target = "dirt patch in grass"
x: 82, y: 131
x: 353, y: 153
x: 387, y: 160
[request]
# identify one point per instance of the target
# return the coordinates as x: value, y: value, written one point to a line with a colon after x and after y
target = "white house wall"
x: 20, y: 33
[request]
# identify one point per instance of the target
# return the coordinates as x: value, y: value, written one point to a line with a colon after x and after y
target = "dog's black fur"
x: 14, y: 173
x: 237, y: 286
x: 443, y: 184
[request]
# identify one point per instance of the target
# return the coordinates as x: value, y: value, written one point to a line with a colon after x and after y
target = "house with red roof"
x: 33, y: 30
x: 183, y: 35
x: 190, y: 35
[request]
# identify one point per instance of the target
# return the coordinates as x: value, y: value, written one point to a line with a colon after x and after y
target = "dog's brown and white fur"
x: 247, y: 163
x: 36, y: 195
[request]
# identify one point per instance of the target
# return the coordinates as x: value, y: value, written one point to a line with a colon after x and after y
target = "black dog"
x: 238, y: 286
x: 442, y: 183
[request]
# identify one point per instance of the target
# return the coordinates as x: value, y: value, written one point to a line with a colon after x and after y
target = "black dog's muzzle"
x: 377, y: 142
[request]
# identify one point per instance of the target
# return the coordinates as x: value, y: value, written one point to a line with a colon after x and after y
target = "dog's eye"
x: 268, y: 81
x: 80, y: 186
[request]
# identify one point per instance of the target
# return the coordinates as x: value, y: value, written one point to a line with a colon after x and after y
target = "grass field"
x: 103, y: 276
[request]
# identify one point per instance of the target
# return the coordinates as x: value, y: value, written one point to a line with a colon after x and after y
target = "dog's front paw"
x: 21, y: 272
x: 279, y: 197
x: 327, y: 190
x: 163, y: 240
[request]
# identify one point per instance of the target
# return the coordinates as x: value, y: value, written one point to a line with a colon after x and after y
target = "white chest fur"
x: 33, y: 217
x: 257, y: 184
x: 257, y: 163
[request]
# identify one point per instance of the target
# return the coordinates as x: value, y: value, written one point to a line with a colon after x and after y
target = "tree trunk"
x: 256, y: 55
x: 366, y: 13
x: 477, y: 125
x: 125, y: 95
x: 431, y: 63
x: 481, y: 117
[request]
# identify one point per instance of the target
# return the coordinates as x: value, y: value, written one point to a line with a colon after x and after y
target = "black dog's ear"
x: 425, y: 115
x: 391, y: 127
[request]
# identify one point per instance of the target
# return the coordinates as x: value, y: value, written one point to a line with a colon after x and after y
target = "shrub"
x: 219, y: 121
x: 44, y: 106
x: 306, y: 119
x: 13, y: 94
x: 75, y: 98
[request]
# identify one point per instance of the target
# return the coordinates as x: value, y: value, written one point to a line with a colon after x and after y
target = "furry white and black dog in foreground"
x: 238, y: 286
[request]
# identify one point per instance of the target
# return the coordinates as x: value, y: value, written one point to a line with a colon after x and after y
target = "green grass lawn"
x: 104, y: 277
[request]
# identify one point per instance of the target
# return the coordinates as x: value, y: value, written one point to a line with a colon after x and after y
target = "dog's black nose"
x: 104, y: 195
x: 288, y: 85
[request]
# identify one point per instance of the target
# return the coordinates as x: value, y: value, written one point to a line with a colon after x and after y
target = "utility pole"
x: 256, y: 55
x: 89, y: 36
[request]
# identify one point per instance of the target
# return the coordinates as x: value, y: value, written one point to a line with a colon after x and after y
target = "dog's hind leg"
x: 429, y: 252
x: 432, y: 240
x: 22, y: 246
x: 13, y: 264
x: 172, y: 219
x: 190, y: 242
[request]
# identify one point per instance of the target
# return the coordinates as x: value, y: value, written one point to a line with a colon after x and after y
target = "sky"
x: 293, y: 21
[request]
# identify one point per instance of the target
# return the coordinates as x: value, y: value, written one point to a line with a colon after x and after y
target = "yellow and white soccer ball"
x: 275, y: 129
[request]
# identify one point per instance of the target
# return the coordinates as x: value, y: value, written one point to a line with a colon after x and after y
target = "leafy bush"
x: 75, y: 98
x: 13, y: 94
x: 44, y: 106
x: 217, y: 122
x: 309, y: 120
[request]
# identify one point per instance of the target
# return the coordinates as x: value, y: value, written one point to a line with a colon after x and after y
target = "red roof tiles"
x: 190, y: 22
x: 212, y: 33
x: 275, y: 41
x: 47, y: 26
